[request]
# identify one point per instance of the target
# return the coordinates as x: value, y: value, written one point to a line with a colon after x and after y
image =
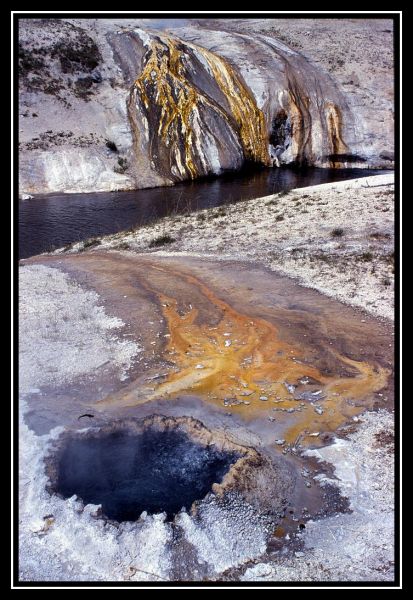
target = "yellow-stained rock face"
x: 250, y: 120
x: 207, y: 97
x: 335, y: 132
x: 191, y: 132
x: 199, y: 108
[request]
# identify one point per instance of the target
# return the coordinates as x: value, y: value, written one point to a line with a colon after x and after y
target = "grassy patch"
x: 91, y: 243
x: 366, y: 256
x: 122, y: 246
x: 161, y: 241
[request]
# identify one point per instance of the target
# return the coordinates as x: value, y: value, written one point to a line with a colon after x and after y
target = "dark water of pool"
x: 52, y: 221
x: 155, y: 471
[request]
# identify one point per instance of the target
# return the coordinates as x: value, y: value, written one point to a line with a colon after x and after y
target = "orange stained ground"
x: 242, y: 363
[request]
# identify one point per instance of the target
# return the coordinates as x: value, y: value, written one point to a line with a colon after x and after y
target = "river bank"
x: 337, y: 238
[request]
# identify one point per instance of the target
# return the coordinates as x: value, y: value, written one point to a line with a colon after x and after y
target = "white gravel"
x: 357, y: 546
x: 225, y: 536
x: 63, y: 331
x: 337, y: 238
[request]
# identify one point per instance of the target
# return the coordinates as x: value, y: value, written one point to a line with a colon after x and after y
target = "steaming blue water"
x: 155, y: 471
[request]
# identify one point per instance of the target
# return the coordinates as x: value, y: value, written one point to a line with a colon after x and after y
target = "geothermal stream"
x: 240, y: 373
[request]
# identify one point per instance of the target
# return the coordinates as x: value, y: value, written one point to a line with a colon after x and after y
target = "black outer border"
x: 395, y: 17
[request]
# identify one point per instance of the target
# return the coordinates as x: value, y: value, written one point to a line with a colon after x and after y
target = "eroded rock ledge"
x: 201, y: 111
x: 156, y: 107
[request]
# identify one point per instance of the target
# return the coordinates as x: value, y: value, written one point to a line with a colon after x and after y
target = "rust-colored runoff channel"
x: 310, y: 366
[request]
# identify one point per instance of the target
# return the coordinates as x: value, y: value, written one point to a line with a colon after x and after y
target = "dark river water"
x: 54, y: 220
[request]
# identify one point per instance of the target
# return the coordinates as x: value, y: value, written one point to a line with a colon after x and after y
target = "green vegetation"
x: 91, y: 243
x: 161, y: 241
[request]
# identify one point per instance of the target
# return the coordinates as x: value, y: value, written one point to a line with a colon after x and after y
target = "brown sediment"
x: 249, y: 363
x: 334, y: 130
x: 300, y: 117
x: 255, y: 364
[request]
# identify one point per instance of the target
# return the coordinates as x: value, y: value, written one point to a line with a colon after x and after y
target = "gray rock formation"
x: 118, y: 104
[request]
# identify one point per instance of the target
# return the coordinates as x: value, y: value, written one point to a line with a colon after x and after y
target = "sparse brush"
x: 161, y: 241
x: 366, y: 256
x: 91, y: 243
x: 122, y: 246
x: 111, y: 145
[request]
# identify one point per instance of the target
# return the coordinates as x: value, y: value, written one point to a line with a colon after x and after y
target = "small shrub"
x: 366, y: 256
x: 122, y: 246
x: 378, y: 235
x: 111, y: 145
x: 161, y: 241
x: 219, y: 212
x: 337, y: 232
x: 121, y: 166
x: 279, y: 218
x: 91, y: 243
x: 83, y: 87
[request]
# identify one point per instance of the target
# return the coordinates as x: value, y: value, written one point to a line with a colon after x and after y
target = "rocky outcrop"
x: 251, y: 99
x: 150, y: 107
